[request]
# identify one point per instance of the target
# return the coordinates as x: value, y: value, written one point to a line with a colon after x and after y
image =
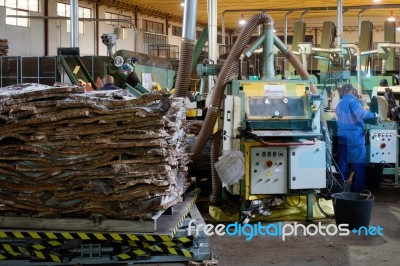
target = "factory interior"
x: 199, y: 132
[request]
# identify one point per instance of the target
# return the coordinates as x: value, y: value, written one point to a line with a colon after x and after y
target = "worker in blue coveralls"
x: 350, y: 120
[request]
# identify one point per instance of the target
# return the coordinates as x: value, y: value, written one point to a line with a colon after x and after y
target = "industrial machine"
x: 277, y: 126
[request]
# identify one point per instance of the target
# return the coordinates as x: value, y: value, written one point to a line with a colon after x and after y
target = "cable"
x: 287, y: 203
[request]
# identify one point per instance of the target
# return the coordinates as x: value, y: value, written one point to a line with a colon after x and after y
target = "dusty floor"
x: 322, y: 250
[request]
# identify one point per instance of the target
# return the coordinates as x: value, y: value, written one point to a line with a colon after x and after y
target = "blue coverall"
x: 350, y: 121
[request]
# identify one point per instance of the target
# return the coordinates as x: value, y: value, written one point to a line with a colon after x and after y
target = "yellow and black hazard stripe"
x: 13, y: 250
x: 185, y: 214
x: 132, y: 254
x: 47, y: 245
x: 83, y: 236
x: 47, y: 256
x: 171, y: 250
x: 186, y: 240
x: 10, y: 251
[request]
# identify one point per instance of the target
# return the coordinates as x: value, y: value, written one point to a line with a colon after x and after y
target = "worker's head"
x: 127, y: 69
x: 384, y: 83
x: 348, y: 88
x: 108, y: 79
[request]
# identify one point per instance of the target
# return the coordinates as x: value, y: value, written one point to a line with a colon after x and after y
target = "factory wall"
x: 30, y: 41
x: 23, y: 40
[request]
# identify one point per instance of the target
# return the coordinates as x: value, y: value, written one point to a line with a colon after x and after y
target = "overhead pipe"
x: 223, y: 78
x: 74, y: 16
x: 358, y: 63
x: 212, y: 37
x: 268, y: 64
x: 253, y: 46
x: 187, y: 48
x: 327, y: 50
x: 339, y: 32
x: 303, y: 14
x: 285, y: 34
x: 302, y: 51
x: 359, y: 23
x: 329, y: 8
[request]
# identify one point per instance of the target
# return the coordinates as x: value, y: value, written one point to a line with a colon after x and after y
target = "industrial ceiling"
x: 230, y: 11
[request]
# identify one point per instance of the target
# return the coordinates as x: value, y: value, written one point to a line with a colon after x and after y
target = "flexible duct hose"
x: 292, y: 58
x: 223, y: 78
x: 216, y: 188
x: 185, y: 68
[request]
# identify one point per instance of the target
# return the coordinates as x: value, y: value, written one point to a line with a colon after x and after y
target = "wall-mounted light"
x: 182, y: 3
x: 398, y: 26
x: 242, y: 21
x: 391, y: 18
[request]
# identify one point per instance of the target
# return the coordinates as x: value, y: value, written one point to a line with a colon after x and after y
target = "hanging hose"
x: 187, y: 48
x: 216, y: 189
x: 185, y: 68
x: 223, y: 78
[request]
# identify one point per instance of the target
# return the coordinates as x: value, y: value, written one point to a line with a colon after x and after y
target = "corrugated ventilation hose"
x: 185, y: 68
x: 223, y: 78
x: 216, y: 192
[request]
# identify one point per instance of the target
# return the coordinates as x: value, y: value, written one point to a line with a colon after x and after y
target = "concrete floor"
x: 322, y: 250
x: 318, y: 250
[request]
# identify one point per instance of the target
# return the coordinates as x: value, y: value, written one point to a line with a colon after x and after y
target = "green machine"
x: 276, y: 124
x: 148, y: 68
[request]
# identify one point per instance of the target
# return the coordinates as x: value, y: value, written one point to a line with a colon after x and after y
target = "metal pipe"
x: 358, y: 54
x: 46, y: 29
x: 285, y: 34
x: 359, y: 23
x: 302, y: 51
x: 302, y: 14
x: 268, y: 64
x: 254, y: 45
x: 74, y: 22
x: 328, y: 8
x: 339, y: 32
x: 327, y: 50
x: 212, y: 37
x: 189, y: 20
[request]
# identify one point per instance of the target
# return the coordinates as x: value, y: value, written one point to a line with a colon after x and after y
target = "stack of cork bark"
x: 64, y: 152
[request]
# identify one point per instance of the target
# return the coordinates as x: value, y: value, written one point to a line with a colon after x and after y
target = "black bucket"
x: 353, y: 209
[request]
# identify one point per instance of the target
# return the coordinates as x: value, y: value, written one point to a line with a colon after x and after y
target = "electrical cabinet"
x: 307, y: 169
x: 268, y: 170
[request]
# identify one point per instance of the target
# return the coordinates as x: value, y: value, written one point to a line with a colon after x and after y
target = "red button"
x: 269, y: 163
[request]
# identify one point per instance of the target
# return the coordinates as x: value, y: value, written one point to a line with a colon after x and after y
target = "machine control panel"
x: 268, y: 170
x: 382, y: 144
